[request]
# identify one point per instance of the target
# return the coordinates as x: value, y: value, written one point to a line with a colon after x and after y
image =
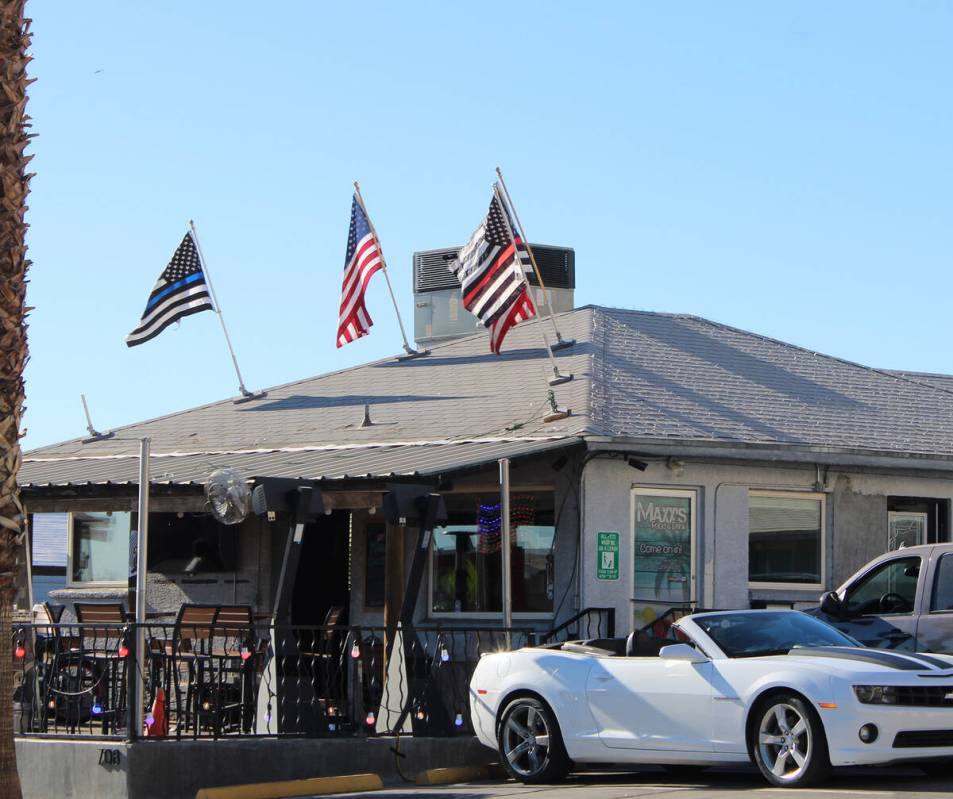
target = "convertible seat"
x: 640, y: 644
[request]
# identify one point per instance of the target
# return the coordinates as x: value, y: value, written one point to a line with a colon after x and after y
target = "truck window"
x: 890, y: 588
x: 943, y: 585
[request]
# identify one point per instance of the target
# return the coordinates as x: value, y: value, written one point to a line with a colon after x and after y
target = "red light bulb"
x: 20, y: 651
x: 123, y: 650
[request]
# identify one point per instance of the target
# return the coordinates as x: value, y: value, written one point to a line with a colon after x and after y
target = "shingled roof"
x: 638, y: 376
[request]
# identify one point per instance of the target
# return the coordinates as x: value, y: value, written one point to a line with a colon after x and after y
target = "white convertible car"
x: 778, y: 687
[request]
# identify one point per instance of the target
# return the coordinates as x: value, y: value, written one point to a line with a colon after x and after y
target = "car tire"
x: 530, y: 744
x: 788, y: 742
x: 687, y: 770
x: 937, y: 768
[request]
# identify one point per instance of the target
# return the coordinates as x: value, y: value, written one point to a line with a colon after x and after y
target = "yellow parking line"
x: 446, y: 776
x: 315, y: 786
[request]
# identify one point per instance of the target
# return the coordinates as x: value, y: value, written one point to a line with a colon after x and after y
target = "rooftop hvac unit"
x: 439, y: 314
x: 432, y: 272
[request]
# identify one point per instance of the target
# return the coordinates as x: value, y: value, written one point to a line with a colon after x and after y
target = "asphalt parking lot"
x: 716, y: 784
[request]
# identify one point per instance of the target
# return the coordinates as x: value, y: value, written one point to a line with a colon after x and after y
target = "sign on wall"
x: 607, y: 556
x: 663, y: 549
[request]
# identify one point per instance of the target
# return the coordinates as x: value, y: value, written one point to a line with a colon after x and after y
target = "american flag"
x: 491, y: 269
x: 181, y: 290
x: 363, y: 259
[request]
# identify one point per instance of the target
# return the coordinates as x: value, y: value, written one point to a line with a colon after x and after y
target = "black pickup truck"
x: 901, y: 600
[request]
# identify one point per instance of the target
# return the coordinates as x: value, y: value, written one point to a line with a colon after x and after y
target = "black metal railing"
x: 587, y: 623
x: 258, y: 680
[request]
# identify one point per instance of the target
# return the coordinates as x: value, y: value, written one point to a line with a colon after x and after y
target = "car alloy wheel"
x: 530, y: 744
x: 785, y: 742
x: 526, y: 739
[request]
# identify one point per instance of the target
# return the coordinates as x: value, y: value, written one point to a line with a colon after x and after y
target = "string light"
x: 96, y: 709
x: 206, y: 705
x: 123, y: 650
x: 332, y: 727
x: 371, y: 719
x: 51, y: 704
x: 246, y: 652
x: 458, y: 721
x: 420, y: 714
x: 444, y: 654
x: 20, y: 651
x: 150, y: 719
x: 355, y: 651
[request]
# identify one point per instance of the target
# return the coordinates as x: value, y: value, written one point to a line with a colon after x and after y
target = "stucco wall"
x: 856, y: 523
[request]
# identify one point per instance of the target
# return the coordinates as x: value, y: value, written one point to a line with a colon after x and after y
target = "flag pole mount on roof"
x: 561, y: 343
x: 246, y: 395
x: 94, y: 434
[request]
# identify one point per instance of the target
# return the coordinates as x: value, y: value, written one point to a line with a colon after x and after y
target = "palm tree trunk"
x: 14, y: 187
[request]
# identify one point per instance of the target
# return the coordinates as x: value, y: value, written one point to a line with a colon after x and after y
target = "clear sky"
x: 780, y: 167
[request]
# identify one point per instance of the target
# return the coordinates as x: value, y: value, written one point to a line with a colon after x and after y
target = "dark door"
x: 322, y: 581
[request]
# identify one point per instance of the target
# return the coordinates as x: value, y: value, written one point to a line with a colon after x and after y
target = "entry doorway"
x: 323, y: 580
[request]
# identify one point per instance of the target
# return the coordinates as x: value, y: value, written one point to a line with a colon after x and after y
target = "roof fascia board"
x: 919, y: 462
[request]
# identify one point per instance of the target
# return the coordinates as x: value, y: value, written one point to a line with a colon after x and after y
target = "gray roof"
x: 638, y: 376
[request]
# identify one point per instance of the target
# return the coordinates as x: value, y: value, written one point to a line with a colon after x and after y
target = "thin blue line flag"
x: 180, y: 291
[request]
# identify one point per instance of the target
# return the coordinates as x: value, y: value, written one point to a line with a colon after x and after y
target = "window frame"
x: 481, y: 615
x: 878, y: 566
x: 938, y: 563
x: 779, y: 586
x: 70, y: 582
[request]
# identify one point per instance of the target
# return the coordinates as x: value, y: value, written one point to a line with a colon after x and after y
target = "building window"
x: 785, y: 540
x: 916, y: 520
x: 99, y: 547
x: 466, y: 558
x: 189, y: 543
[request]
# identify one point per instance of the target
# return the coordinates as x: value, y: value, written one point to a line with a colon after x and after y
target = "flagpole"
x: 246, y: 394
x: 509, y: 203
x: 407, y: 348
x: 557, y: 377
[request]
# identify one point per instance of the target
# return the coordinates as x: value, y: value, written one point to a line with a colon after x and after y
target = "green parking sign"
x: 607, y: 556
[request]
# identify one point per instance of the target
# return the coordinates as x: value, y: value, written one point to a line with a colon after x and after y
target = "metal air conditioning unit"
x: 439, y: 314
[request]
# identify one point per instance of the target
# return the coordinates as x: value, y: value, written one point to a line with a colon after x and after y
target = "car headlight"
x: 876, y: 694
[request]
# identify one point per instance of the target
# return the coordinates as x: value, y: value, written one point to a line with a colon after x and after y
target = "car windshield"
x: 745, y: 635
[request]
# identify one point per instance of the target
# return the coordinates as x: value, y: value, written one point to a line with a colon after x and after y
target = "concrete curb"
x: 315, y: 786
x: 446, y: 776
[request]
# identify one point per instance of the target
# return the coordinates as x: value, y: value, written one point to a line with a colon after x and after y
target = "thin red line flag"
x: 363, y: 259
x: 491, y: 269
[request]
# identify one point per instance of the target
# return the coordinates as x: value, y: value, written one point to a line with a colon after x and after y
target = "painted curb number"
x: 110, y: 757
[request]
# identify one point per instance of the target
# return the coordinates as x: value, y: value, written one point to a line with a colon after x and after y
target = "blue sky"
x: 784, y: 168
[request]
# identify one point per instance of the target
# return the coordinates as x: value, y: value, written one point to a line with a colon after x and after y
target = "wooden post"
x: 394, y: 576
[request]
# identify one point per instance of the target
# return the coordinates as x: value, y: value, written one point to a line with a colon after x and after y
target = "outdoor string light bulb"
x: 51, y: 704
x: 96, y: 709
x: 150, y: 719
x: 206, y: 705
x: 246, y: 651
x: 370, y: 718
x: 20, y: 651
x: 458, y: 721
x: 444, y: 653
x: 356, y: 650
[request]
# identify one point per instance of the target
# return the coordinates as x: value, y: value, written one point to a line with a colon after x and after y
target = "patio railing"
x: 261, y: 680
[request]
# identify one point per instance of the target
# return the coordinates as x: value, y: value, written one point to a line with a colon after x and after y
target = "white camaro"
x: 779, y: 687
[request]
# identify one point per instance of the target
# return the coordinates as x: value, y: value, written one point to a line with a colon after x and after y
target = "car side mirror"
x: 682, y: 652
x: 831, y: 604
